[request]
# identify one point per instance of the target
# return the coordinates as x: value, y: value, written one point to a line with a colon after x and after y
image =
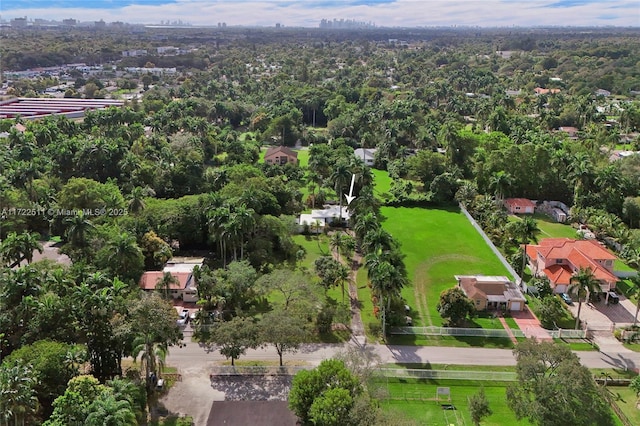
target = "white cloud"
x: 485, y: 13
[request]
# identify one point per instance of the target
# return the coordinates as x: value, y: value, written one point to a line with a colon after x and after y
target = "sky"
x: 308, y: 13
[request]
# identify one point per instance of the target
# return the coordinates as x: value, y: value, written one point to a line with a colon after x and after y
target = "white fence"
x: 454, y: 331
x: 568, y: 334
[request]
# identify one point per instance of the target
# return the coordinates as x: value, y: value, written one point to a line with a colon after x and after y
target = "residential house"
x: 543, y: 91
x: 366, y: 154
x: 181, y: 268
x: 571, y: 131
x: 280, y: 155
x: 318, y: 219
x: 560, y: 258
x: 491, y: 292
x: 602, y: 92
x: 519, y: 205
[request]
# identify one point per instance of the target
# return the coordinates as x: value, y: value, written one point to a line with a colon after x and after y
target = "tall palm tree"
x: 165, y: 283
x: 124, y: 254
x: 583, y: 283
x: 528, y: 231
x: 365, y: 223
x: 218, y: 218
x: 340, y: 177
x: 18, y: 400
x: 499, y: 182
x: 136, y: 198
x: 79, y: 228
x: 386, y: 282
x: 152, y: 355
x: 107, y: 411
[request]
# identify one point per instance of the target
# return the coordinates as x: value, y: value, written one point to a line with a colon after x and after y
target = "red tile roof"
x: 558, y: 274
x: 579, y: 253
x: 150, y: 279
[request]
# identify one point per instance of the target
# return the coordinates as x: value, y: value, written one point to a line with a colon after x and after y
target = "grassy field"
x: 416, y: 399
x: 552, y: 229
x: 382, y: 183
x: 626, y: 399
x: 438, y: 244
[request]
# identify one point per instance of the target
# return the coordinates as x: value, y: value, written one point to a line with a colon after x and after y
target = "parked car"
x: 613, y: 298
x: 185, y: 314
x: 566, y: 298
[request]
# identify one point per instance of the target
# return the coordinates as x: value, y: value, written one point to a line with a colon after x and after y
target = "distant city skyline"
x: 309, y: 13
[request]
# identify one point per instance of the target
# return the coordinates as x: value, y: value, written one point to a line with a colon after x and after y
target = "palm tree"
x: 527, y: 231
x: 340, y: 178
x: 246, y: 224
x: 18, y: 247
x: 124, y: 255
x: 107, y: 411
x: 18, y: 400
x: 583, y: 283
x: 136, y: 198
x: 218, y: 218
x: 164, y: 284
x: 78, y: 231
x: 364, y: 224
x: 386, y: 281
x: 342, y: 276
x: 152, y: 355
x: 499, y: 182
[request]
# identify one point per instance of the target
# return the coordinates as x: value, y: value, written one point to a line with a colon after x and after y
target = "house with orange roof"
x: 560, y: 258
x: 519, y: 206
x: 184, y: 286
x: 491, y: 292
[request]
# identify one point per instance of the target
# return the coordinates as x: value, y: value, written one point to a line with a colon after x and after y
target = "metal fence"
x: 567, y: 334
x: 401, y: 373
x: 454, y: 331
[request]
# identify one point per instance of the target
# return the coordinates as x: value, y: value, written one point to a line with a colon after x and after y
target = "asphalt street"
x: 192, y: 354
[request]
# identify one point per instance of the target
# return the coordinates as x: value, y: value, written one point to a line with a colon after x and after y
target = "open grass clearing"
x: 382, y: 182
x: 438, y: 244
x: 416, y: 399
x: 627, y: 400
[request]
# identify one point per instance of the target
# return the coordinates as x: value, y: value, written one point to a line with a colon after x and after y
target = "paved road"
x: 194, y: 354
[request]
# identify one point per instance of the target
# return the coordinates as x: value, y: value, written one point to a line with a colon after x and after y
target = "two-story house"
x: 560, y: 258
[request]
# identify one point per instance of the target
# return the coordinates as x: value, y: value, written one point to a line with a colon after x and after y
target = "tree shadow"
x: 254, y: 388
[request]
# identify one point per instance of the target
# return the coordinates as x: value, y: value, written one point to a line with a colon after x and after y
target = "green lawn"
x: 438, y: 244
x: 577, y: 344
x: 626, y: 399
x: 382, y: 183
x: 315, y: 246
x: 552, y: 229
x: 415, y: 398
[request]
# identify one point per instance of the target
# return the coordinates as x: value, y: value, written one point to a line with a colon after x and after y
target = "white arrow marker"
x: 350, y: 197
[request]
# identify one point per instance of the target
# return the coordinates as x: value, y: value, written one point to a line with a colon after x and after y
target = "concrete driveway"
x: 602, y: 316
